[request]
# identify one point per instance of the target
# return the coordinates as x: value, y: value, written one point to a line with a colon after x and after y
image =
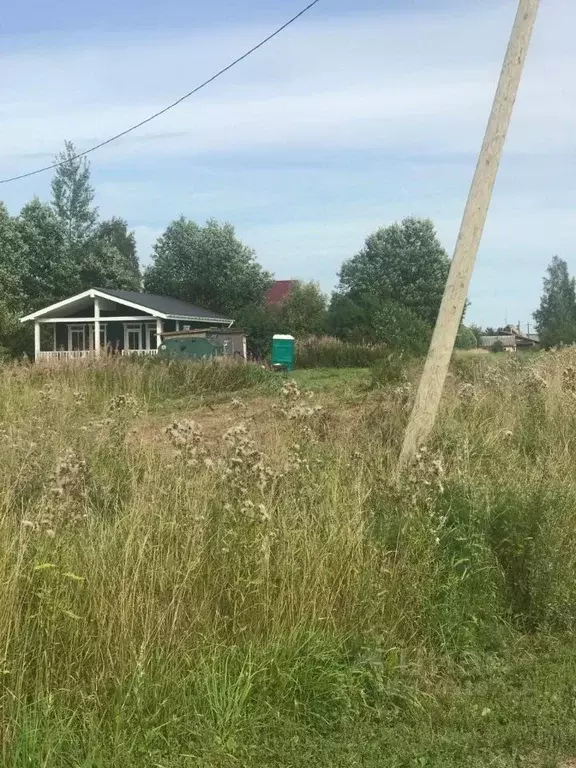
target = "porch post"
x: 36, y: 339
x: 96, y: 325
x: 55, y: 339
x: 159, y: 329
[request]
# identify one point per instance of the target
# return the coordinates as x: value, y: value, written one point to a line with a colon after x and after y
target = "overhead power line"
x: 170, y: 106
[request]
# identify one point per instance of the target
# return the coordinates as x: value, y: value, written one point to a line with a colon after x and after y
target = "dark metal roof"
x: 164, y: 304
x: 279, y: 291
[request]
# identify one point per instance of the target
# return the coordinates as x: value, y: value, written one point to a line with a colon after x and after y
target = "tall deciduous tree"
x: 303, y: 312
x: 352, y: 319
x: 14, y: 337
x: 478, y: 333
x: 466, y: 338
x: 110, y: 259
x: 556, y: 316
x: 48, y: 270
x: 104, y: 266
x: 370, y: 318
x: 11, y: 254
x: 73, y: 197
x: 404, y: 263
x: 207, y: 266
x: 260, y: 323
x: 401, y: 328
x: 116, y: 232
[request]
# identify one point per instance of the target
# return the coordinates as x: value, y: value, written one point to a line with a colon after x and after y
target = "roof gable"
x: 164, y: 307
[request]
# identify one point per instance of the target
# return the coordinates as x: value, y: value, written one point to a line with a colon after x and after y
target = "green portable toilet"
x: 283, y: 351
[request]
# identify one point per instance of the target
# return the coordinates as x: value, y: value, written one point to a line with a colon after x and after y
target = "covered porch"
x: 98, y: 322
x: 66, y: 339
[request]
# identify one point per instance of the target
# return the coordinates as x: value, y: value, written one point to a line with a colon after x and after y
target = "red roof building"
x: 279, y: 292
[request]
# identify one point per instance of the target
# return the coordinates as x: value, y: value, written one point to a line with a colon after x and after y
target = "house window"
x: 103, y: 336
x: 77, y: 338
x: 134, y: 337
x: 151, y: 337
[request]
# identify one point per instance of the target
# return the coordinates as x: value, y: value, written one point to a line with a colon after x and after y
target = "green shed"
x: 283, y: 351
x: 190, y: 346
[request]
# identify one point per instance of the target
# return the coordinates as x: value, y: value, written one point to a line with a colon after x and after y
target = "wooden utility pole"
x: 456, y: 290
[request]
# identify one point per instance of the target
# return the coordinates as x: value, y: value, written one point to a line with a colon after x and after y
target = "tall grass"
x: 150, y: 378
x: 329, y: 352
x: 184, y: 592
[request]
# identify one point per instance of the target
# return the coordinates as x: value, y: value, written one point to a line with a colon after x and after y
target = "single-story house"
x: 507, y: 341
x: 124, y: 321
x: 512, y: 339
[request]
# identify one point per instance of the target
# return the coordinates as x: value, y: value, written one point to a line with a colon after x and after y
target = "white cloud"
x: 418, y: 82
x: 146, y: 237
x: 411, y: 88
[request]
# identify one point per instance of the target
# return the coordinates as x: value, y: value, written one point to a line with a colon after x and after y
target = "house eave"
x: 58, y: 305
x: 91, y: 293
x: 195, y: 319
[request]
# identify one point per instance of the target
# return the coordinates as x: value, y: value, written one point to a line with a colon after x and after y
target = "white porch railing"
x: 61, y: 354
x: 79, y: 354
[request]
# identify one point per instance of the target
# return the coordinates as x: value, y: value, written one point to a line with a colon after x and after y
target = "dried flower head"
x: 290, y: 391
x: 297, y: 460
x: 303, y: 411
x: 47, y: 393
x: 427, y: 470
x: 494, y: 376
x: 569, y: 380
x: 68, y: 476
x: 426, y: 483
x: 534, y: 382
x: 187, y: 437
x: 66, y: 502
x: 245, y: 466
x: 467, y: 393
x: 124, y: 403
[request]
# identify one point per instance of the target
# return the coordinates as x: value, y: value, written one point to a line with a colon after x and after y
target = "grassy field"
x: 208, y: 565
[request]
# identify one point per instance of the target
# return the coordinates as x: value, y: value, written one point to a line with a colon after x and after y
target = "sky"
x: 361, y: 113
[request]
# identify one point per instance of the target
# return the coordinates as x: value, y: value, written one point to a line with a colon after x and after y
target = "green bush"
x: 469, y: 368
x: 389, y: 370
x: 402, y: 329
x: 466, y: 338
x: 497, y: 346
x: 15, y: 339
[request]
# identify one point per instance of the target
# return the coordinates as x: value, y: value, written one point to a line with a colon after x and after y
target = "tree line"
x: 50, y: 251
x: 389, y: 292
x: 556, y: 316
